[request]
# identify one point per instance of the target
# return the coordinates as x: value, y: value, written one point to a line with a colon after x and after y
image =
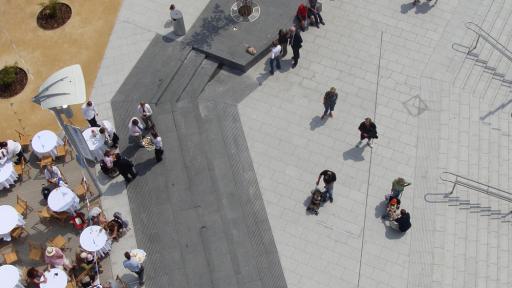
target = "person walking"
x: 157, y: 140
x: 329, y: 178
x: 398, y: 186
x: 125, y: 168
x: 145, y: 113
x: 330, y: 98
x: 313, y: 11
x: 90, y: 113
x: 296, y: 44
x: 274, y: 57
x: 283, y: 38
x: 134, y: 266
x: 368, y: 131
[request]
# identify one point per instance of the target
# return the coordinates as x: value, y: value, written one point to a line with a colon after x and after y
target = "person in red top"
x: 302, y: 16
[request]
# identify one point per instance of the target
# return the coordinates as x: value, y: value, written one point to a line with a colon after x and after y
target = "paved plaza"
x: 256, y: 138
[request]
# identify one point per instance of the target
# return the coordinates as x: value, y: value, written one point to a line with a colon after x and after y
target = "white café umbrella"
x: 10, y: 218
x: 64, y: 87
x: 93, y: 238
x: 9, y: 275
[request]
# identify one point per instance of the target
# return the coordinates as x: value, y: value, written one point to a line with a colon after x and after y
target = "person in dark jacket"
x: 313, y: 12
x: 368, y: 131
x: 402, y: 223
x: 329, y: 179
x: 296, y: 44
x: 283, y: 38
x: 330, y: 98
x: 125, y: 168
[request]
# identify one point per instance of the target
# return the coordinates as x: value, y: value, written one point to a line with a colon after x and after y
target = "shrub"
x: 8, y: 75
x: 51, y: 8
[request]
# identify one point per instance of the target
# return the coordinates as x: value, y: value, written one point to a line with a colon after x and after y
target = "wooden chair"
x: 44, y: 215
x: 63, y: 151
x: 71, y: 284
x: 19, y: 232
x: 44, y: 161
x: 35, y: 251
x: 22, y: 207
x: 82, y: 189
x: 9, y: 254
x: 22, y: 169
x: 59, y: 241
x: 24, y: 140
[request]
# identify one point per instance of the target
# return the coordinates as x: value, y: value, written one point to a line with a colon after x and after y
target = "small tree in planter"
x: 13, y: 80
x: 8, y: 75
x: 53, y: 14
x: 50, y: 9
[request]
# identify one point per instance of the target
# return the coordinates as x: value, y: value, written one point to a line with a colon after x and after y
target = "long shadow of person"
x: 381, y: 209
x: 316, y: 122
x: 286, y: 65
x: 406, y: 7
x: 392, y: 233
x: 354, y: 154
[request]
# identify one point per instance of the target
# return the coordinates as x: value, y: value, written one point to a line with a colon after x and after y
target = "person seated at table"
x: 86, y: 260
x: 135, y: 128
x: 53, y: 175
x: 302, y: 16
x: 13, y: 149
x: 35, y: 277
x: 54, y: 257
x: 89, y: 280
x: 98, y: 217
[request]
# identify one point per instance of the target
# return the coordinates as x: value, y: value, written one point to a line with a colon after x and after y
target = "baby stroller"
x: 317, y: 198
x: 110, y: 172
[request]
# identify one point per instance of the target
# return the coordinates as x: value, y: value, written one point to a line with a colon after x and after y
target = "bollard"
x: 178, y: 23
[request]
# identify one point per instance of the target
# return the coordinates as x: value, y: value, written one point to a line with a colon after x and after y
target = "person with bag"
x: 330, y: 98
x: 403, y: 222
x: 368, y: 131
x: 296, y: 44
x: 329, y: 178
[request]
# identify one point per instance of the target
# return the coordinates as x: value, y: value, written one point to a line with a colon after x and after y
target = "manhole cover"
x: 245, y: 11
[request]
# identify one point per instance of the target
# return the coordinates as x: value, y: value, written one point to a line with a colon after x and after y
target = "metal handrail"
x: 469, y: 183
x: 489, y: 39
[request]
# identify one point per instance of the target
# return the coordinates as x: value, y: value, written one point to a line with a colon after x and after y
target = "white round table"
x: 10, y: 219
x: 63, y: 199
x: 9, y: 275
x: 95, y: 141
x: 7, y: 174
x: 56, y: 278
x: 45, y: 143
x: 93, y: 238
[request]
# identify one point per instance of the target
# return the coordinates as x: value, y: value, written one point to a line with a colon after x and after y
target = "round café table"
x: 10, y: 219
x: 93, y: 238
x: 10, y: 276
x: 56, y: 278
x: 63, y: 199
x: 95, y: 142
x: 45, y: 143
x: 7, y: 174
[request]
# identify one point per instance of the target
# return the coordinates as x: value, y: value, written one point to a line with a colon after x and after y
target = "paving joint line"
x: 369, y: 166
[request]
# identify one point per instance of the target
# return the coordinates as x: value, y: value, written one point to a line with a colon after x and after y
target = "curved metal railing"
x: 475, y: 185
x: 489, y: 39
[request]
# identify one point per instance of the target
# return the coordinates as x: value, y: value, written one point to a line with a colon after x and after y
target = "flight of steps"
x: 475, y: 237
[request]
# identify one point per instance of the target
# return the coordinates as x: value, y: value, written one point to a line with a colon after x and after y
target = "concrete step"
x: 204, y: 73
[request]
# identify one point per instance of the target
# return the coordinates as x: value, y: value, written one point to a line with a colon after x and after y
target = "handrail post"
x: 476, y: 44
x: 454, y: 184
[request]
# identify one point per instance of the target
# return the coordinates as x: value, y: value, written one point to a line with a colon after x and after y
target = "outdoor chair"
x: 43, y: 162
x: 35, y: 251
x: 82, y: 189
x: 9, y: 254
x: 59, y: 241
x: 63, y: 151
x: 22, y: 207
x: 19, y: 232
x: 24, y: 140
x: 22, y: 169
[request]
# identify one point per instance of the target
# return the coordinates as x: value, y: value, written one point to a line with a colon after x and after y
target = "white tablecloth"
x: 10, y: 219
x: 7, y: 174
x: 56, y: 278
x: 96, y: 143
x: 10, y: 276
x: 93, y: 238
x: 45, y: 143
x: 63, y: 199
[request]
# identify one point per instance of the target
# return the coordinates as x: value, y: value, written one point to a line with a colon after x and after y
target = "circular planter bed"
x: 54, y: 15
x: 16, y: 84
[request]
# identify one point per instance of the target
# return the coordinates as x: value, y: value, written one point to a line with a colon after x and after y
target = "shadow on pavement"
x: 380, y: 209
x: 144, y: 167
x: 354, y: 154
x: 392, y: 233
x: 317, y: 122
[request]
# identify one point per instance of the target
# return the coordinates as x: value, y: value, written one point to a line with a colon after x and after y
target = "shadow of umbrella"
x: 354, y: 154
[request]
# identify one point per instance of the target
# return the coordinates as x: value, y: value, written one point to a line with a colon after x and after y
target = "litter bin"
x: 178, y: 23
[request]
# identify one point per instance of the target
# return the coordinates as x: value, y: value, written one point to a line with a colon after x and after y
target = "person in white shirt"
x: 109, y: 134
x: 135, y: 129
x: 13, y: 149
x: 53, y: 174
x: 145, y: 113
x: 275, y: 53
x: 90, y: 114
x: 157, y: 140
